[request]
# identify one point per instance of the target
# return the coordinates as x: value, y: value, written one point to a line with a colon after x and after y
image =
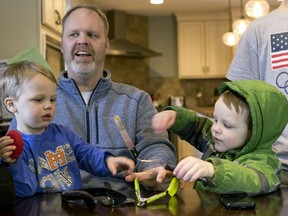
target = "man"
x: 88, y: 100
x: 261, y: 54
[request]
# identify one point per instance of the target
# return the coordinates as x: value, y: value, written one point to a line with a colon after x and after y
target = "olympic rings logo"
x: 282, y: 81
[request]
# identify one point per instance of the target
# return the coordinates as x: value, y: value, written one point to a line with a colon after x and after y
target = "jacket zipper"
x: 87, y: 114
x: 96, y: 118
x: 87, y: 122
x: 86, y: 111
x: 97, y: 128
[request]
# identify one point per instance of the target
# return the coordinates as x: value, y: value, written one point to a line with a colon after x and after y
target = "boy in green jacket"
x: 248, y: 118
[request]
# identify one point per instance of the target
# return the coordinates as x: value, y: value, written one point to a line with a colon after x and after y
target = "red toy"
x: 18, y: 142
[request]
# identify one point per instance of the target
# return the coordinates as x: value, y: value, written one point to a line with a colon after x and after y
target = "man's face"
x: 84, y: 43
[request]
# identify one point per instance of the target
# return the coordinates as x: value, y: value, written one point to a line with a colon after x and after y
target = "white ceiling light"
x: 240, y: 25
x: 230, y: 38
x: 257, y: 8
x: 156, y: 1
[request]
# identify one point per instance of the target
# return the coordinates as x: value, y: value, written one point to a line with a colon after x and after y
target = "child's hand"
x: 162, y: 121
x: 6, y: 149
x: 192, y: 168
x: 116, y: 164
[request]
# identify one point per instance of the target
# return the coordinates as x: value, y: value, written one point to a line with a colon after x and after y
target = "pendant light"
x: 240, y: 25
x: 230, y: 38
x: 257, y: 8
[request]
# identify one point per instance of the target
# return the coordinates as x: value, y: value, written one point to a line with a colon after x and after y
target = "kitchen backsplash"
x: 168, y: 86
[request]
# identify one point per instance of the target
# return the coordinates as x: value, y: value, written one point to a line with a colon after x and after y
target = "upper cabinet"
x: 52, y: 14
x: 201, y: 52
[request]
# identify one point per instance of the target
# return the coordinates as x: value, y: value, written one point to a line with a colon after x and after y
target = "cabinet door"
x: 52, y: 14
x: 47, y: 13
x: 218, y: 55
x: 59, y: 10
x: 191, y: 49
x: 201, y: 52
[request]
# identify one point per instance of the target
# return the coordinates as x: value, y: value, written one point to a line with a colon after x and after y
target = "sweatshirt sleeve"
x: 25, y: 181
x: 149, y: 145
x: 191, y: 128
x: 183, y: 118
x: 255, y: 174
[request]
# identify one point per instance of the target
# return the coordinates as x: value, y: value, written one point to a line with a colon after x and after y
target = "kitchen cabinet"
x: 52, y: 14
x: 201, y: 52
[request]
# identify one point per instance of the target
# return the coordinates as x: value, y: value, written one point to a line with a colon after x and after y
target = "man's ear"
x: 10, y: 105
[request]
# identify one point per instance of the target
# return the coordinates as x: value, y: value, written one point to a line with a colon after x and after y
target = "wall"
x: 20, y: 26
x: 71, y: 3
x: 163, y: 38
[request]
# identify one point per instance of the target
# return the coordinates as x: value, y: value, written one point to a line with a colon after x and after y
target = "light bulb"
x: 240, y: 25
x: 230, y: 39
x: 156, y: 1
x: 257, y: 8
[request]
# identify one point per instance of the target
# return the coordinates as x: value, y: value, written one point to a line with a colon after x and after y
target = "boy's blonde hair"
x: 18, y: 73
x: 231, y: 98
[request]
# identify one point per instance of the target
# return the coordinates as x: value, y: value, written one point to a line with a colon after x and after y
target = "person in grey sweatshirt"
x: 88, y: 100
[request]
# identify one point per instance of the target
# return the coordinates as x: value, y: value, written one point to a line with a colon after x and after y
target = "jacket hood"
x: 269, y: 111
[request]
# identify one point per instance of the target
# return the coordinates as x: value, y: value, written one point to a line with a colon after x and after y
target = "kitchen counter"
x: 204, y: 110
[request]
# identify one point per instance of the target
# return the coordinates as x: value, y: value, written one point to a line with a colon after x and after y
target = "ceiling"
x: 143, y: 7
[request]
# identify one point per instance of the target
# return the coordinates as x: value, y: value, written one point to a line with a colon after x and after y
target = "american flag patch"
x: 279, y: 50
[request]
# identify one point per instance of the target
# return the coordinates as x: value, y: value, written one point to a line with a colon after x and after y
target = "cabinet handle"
x: 58, y: 20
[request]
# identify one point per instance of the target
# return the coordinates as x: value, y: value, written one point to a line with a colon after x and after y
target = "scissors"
x: 171, y: 190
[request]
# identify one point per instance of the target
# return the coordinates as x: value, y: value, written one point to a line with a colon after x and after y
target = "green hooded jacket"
x: 254, y: 168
